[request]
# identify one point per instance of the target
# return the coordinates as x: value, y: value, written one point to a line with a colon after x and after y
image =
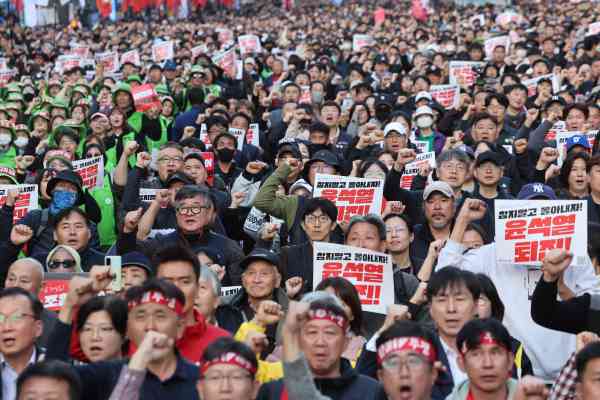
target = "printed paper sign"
x: 360, y: 41
x: 26, y: 201
x: 559, y: 126
x: 421, y: 145
x: 370, y: 272
x: 492, y: 43
x: 253, y: 135
x: 352, y: 196
x: 3, y: 64
x: 240, y: 136
x: 209, y: 165
x: 447, y: 95
x: 80, y: 50
x: 67, y: 62
x: 204, y: 136
x: 463, y: 73
x: 110, y: 61
x: 145, y: 97
x: 531, y: 84
x: 593, y: 28
x: 561, y: 142
x: 147, y: 195
x: 479, y: 18
x: 55, y: 288
x: 412, y: 169
x: 226, y: 61
x: 379, y: 16
x: 228, y: 291
x: 132, y: 56
x: 6, y: 76
x: 163, y: 51
x: 509, y: 16
x: 91, y: 171
x: 249, y: 44
x: 526, y: 230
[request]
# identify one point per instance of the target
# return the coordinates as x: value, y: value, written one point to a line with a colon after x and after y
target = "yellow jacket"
x: 267, y: 371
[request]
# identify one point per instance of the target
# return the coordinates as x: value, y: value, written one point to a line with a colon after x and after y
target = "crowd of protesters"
x: 225, y: 214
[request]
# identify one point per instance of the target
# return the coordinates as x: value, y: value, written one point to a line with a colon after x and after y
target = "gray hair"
x: 372, y: 219
x: 209, y: 275
x: 38, y: 265
x: 322, y: 297
x: 453, y: 154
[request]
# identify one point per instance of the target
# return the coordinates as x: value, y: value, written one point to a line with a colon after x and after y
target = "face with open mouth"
x: 406, y: 375
x: 99, y: 339
x: 19, y: 329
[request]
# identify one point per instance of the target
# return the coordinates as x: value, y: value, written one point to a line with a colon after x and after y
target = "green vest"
x: 135, y: 121
x: 107, y: 226
x: 7, y: 159
x: 111, y: 154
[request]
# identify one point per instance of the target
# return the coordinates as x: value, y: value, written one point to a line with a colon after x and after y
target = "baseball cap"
x: 98, y: 115
x: 488, y: 156
x: 180, y: 177
x: 170, y: 65
x: 326, y: 156
x: 555, y: 99
x: 423, y: 96
x: 578, y: 140
x: 394, y: 127
x: 438, y: 186
x: 288, y: 147
x: 381, y: 59
x: 301, y: 184
x: 539, y: 190
x: 137, y: 259
x: 260, y: 254
x: 423, y: 110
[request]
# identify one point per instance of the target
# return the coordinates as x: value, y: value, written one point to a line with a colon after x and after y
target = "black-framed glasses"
x: 54, y: 264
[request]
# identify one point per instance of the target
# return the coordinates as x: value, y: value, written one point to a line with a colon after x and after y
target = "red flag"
x: 104, y: 7
x: 418, y: 11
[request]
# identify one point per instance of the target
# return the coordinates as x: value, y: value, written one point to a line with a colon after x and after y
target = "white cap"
x: 423, y: 95
x: 394, y: 127
x: 423, y: 110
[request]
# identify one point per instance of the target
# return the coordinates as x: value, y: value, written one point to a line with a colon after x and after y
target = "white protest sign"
x: 163, y: 51
x: 563, y: 137
x: 226, y: 61
x: 360, y: 41
x: 228, y: 291
x: 198, y: 50
x: 593, y: 28
x: 526, y: 230
x: 370, y: 272
x: 147, y: 194
x: 110, y: 61
x: 412, y: 169
x: 447, y: 95
x: 253, y: 135
x: 463, y: 73
x: 532, y: 83
x: 492, y: 43
x: 25, y: 202
x: 249, y: 44
x: 352, y: 196
x: 132, y: 56
x: 240, y: 136
x: 91, y: 171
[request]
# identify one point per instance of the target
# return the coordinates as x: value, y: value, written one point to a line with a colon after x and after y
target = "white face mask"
x: 21, y: 141
x: 425, y: 121
x: 5, y: 139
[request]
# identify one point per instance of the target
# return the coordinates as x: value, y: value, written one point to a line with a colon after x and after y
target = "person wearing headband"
x: 323, y: 337
x: 227, y: 371
x: 485, y: 356
x: 155, y: 322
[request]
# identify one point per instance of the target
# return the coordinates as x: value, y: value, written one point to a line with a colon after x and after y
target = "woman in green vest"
x: 8, y: 151
x: 118, y: 136
x: 150, y: 128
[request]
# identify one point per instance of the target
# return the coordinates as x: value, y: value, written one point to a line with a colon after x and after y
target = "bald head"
x: 26, y: 273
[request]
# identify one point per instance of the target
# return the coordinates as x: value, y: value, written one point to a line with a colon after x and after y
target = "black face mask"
x: 225, y: 155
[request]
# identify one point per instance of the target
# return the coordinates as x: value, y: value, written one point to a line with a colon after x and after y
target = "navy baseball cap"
x: 260, y: 254
x: 170, y: 65
x: 536, y: 190
x: 578, y: 140
x: 137, y: 259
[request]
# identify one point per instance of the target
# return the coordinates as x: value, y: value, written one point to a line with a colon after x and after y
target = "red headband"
x: 230, y: 358
x: 321, y: 313
x: 157, y: 297
x: 413, y: 343
x: 484, y: 338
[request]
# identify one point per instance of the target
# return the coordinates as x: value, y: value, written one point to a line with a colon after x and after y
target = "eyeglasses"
x: 13, y: 318
x: 412, y: 361
x: 313, y: 219
x: 166, y: 160
x: 454, y: 166
x: 233, y: 378
x: 193, y: 210
x: 395, y: 229
x: 54, y: 264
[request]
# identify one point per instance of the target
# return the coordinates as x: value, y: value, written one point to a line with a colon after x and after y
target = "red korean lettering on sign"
x: 366, y: 277
x: 444, y: 97
x: 209, y: 165
x: 54, y: 293
x: 21, y: 207
x: 89, y: 175
x: 350, y: 202
x: 369, y: 294
x: 535, y: 250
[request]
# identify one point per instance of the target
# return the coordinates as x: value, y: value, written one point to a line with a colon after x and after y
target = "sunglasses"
x: 65, y: 263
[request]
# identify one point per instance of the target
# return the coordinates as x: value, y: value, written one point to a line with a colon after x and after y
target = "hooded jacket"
x: 349, y: 386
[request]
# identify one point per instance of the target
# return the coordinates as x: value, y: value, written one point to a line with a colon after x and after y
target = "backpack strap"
x: 43, y: 222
